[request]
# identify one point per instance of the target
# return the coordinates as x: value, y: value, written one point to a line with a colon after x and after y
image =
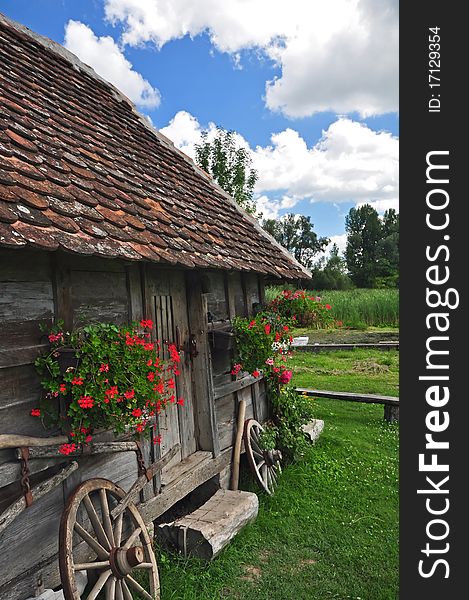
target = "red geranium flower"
x: 146, y: 323
x: 267, y: 329
x: 256, y: 373
x: 35, y: 412
x: 137, y: 412
x: 86, y: 402
x: 77, y: 381
x: 67, y: 449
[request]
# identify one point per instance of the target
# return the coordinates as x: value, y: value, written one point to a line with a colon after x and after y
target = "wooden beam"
x: 261, y: 284
x: 352, y: 397
x: 230, y: 295
x: 247, y: 308
x: 328, y: 347
x: 185, y: 483
x: 16, y: 357
x: 235, y: 386
x: 202, y: 378
x: 62, y: 288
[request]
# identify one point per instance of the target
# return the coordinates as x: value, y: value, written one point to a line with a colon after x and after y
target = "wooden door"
x: 167, y: 307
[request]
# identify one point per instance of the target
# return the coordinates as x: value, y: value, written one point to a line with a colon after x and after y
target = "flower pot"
x: 67, y: 358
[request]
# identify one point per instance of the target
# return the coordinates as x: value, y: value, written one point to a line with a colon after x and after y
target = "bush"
x: 290, y: 412
x: 303, y: 308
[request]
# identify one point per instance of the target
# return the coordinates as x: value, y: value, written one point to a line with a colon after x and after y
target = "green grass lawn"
x: 357, y: 370
x: 331, y: 530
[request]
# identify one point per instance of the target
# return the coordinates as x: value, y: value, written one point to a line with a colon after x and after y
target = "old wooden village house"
x: 103, y: 219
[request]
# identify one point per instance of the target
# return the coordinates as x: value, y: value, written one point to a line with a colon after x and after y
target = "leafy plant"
x: 303, y: 308
x: 262, y: 345
x: 116, y: 380
x: 268, y: 437
x: 291, y: 411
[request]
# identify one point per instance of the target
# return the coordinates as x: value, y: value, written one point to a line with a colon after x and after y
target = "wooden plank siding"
x: 38, y: 287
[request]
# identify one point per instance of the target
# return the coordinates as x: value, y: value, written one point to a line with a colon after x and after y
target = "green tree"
x: 331, y: 273
x: 372, y: 252
x: 364, y: 232
x: 229, y: 165
x: 296, y: 234
x: 388, y: 250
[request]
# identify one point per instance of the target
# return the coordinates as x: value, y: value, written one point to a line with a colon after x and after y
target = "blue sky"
x: 311, y: 87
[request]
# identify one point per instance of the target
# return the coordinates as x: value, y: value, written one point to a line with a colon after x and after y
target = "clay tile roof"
x: 83, y: 171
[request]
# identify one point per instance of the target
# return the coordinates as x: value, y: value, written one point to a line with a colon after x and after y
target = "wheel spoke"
x: 93, y: 565
x: 264, y: 473
x: 255, y: 446
x: 144, y: 566
x: 119, y: 592
x: 268, y: 479
x: 132, y: 538
x: 98, y: 528
x: 257, y: 454
x: 110, y: 588
x: 92, y: 543
x: 138, y: 588
x: 106, y: 517
x: 273, y: 479
x: 98, y: 586
x: 261, y: 464
x: 127, y: 592
x: 118, y: 529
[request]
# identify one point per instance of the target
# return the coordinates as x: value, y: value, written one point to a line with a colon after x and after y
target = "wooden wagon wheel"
x: 265, y: 464
x: 116, y: 554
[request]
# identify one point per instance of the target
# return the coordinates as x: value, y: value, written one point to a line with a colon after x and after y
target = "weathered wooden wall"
x: 38, y: 287
x: 227, y: 398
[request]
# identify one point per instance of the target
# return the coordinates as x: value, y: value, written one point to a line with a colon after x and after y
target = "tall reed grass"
x: 358, y: 308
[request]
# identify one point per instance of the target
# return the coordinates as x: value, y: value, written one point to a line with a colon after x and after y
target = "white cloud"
x: 185, y: 132
x: 339, y: 240
x: 270, y: 209
x: 106, y: 58
x: 350, y: 163
x: 339, y: 55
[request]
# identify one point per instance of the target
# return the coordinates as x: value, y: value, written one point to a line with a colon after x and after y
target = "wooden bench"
x: 391, y: 403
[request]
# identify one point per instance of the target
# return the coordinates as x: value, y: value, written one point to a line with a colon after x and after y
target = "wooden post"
x: 391, y: 413
x: 230, y: 296
x: 202, y: 380
x: 261, y: 285
x: 62, y: 289
x: 247, y: 308
x: 237, y: 446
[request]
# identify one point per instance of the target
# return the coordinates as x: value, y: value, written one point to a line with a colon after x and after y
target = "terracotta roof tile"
x: 81, y: 170
x: 11, y: 238
x: 43, y: 238
x: 6, y: 214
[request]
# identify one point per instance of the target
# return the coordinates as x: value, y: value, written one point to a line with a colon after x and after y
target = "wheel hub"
x: 122, y: 561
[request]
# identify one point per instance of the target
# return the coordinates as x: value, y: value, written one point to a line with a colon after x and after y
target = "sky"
x: 310, y: 87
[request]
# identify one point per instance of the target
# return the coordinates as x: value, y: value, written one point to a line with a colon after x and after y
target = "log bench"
x: 206, y: 531
x: 391, y: 403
